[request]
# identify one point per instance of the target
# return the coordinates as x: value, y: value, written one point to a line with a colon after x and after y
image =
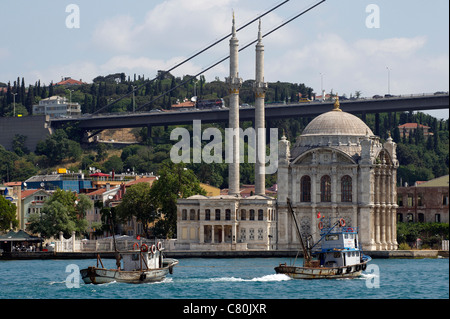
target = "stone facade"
x: 337, y: 167
x: 226, y: 222
x: 427, y: 202
x: 340, y: 169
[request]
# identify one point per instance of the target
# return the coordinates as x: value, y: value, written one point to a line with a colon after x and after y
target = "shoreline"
x: 385, y: 254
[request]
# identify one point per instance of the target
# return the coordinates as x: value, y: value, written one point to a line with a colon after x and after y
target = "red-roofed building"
x: 68, y: 81
x: 410, y: 128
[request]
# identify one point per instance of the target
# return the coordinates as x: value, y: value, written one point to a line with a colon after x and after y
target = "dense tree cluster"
x: 421, y: 157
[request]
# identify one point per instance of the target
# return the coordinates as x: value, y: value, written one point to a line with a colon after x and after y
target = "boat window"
x: 135, y: 257
x: 337, y: 255
x: 331, y: 237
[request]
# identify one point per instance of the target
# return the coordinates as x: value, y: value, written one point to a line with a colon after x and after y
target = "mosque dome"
x: 336, y: 122
x: 334, y: 129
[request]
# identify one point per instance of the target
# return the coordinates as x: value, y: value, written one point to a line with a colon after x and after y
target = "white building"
x: 337, y: 168
x: 57, y: 106
x: 340, y: 169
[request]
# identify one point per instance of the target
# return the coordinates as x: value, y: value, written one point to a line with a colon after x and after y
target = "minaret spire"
x: 234, y: 84
x: 260, y: 88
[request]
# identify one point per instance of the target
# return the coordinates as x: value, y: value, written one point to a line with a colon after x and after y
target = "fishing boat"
x: 142, y: 264
x: 340, y: 254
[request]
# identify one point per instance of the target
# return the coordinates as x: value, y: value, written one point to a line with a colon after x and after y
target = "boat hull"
x: 94, y: 275
x: 295, y: 272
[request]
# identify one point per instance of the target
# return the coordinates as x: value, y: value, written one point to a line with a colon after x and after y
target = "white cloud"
x: 361, y: 65
x: 394, y: 46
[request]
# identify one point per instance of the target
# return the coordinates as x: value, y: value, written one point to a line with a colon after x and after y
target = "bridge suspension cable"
x: 190, y: 58
x: 227, y: 57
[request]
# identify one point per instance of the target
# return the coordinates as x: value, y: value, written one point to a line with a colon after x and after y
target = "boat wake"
x: 267, y: 278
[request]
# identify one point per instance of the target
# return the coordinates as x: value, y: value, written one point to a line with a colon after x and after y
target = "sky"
x: 375, y: 46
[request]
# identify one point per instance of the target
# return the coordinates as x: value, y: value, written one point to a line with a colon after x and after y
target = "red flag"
x: 318, y: 215
x: 138, y: 237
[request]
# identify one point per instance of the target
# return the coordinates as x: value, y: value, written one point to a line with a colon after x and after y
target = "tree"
x: 61, y: 213
x: 175, y: 181
x: 137, y: 203
x: 8, y: 218
x: 53, y: 219
x: 58, y: 147
x: 114, y: 163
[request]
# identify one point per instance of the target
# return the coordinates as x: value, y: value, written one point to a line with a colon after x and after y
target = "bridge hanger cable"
x: 192, y: 57
x: 227, y: 57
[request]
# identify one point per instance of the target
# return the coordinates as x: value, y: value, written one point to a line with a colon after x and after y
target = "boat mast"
x: 306, y: 254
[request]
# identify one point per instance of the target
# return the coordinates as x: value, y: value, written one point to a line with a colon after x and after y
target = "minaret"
x: 260, y: 88
x: 234, y: 84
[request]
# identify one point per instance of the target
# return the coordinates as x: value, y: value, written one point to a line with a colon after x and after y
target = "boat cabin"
x: 140, y: 260
x: 340, y: 247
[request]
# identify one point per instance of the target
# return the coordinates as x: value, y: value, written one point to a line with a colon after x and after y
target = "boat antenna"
x: 116, y: 252
x: 306, y: 254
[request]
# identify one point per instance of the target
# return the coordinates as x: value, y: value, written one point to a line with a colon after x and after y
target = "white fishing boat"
x: 141, y: 265
x: 340, y: 255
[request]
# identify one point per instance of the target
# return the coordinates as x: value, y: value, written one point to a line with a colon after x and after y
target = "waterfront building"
x: 75, y: 182
x: 425, y: 202
x: 12, y: 192
x: 337, y: 168
x: 233, y: 222
x: 32, y: 202
x: 57, y: 106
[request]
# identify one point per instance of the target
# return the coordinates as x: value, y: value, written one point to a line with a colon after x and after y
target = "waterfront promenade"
x: 220, y: 254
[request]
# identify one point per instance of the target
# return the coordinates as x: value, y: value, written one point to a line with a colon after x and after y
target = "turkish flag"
x: 318, y: 215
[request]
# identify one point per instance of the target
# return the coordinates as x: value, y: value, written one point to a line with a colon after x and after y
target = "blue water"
x: 253, y: 278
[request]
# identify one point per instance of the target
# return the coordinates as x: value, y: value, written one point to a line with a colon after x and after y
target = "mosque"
x: 337, y: 168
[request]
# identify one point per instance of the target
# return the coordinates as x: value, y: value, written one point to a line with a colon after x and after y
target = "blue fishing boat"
x: 337, y: 254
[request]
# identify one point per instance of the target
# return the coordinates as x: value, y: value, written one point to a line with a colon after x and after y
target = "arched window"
x: 217, y: 214
x: 260, y: 214
x: 325, y: 189
x: 252, y: 214
x: 305, y: 184
x: 192, y: 214
x: 243, y: 214
x: 207, y: 214
x: 184, y: 214
x: 227, y: 214
x: 346, y: 189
